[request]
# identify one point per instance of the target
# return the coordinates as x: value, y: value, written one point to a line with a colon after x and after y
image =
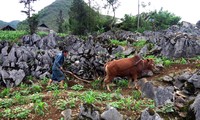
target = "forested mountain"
x: 49, y: 14
x: 12, y: 23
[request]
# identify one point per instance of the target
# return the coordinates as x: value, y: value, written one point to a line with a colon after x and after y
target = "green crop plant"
x: 6, y: 103
x: 35, y: 97
x: 137, y: 105
x: 77, y: 87
x: 96, y: 84
x: 36, y: 88
x: 72, y: 102
x: 5, y: 92
x: 52, y: 87
x: 117, y: 104
x: 23, y: 86
x: 128, y: 102
x: 122, y: 83
x: 12, y: 36
x: 56, y: 94
x: 40, y: 107
x: 21, y: 113
x: 19, y: 98
x: 42, y: 34
x: 118, y: 92
x: 104, y: 96
x: 136, y: 94
x: 149, y: 103
x: 73, y: 94
x: 25, y: 92
x: 167, y: 108
x: 30, y: 77
x: 65, y: 85
x: 7, y: 113
x: 44, y: 81
x: 88, y: 97
x: 61, y: 104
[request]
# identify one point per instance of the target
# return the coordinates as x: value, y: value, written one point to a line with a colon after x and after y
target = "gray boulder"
x: 88, y: 111
x: 111, y: 114
x: 150, y: 115
x: 195, y: 79
x: 163, y: 95
x: 196, y: 107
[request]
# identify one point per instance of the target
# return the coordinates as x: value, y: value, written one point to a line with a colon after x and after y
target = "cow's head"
x: 149, y: 64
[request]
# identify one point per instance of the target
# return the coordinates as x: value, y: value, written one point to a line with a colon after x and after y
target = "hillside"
x: 12, y: 23
x: 49, y: 14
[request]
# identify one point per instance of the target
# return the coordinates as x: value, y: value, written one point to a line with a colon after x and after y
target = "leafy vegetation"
x: 153, y: 20
x: 139, y: 43
x: 77, y: 87
x: 13, y: 36
x: 122, y: 83
x: 12, y: 106
x: 40, y: 107
x: 117, y: 42
x: 96, y: 84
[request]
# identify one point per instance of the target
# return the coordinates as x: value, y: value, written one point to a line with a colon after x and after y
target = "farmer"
x: 57, y: 69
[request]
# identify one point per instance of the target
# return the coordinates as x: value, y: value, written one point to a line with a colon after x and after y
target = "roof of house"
x: 43, y: 25
x: 8, y: 27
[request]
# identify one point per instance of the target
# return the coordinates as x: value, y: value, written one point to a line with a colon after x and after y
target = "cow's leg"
x: 107, y: 81
x: 129, y: 82
x: 134, y: 77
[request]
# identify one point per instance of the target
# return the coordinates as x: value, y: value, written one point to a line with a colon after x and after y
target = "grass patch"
x: 117, y: 42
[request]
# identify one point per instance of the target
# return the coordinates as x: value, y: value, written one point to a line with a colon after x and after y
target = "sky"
x: 186, y: 9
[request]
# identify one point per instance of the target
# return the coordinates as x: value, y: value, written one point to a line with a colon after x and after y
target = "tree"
x: 60, y: 21
x: 163, y: 19
x: 114, y: 4
x: 82, y: 19
x: 143, y: 4
x: 27, y: 11
x: 77, y: 16
x: 33, y: 23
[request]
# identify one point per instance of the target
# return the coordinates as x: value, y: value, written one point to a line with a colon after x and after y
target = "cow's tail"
x: 105, y: 69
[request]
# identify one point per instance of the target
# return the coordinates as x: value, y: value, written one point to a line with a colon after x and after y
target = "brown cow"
x: 126, y: 67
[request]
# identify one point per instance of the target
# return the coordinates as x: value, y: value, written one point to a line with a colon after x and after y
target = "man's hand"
x: 61, y: 68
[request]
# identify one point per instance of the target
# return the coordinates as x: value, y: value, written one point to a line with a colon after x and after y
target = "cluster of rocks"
x: 180, y: 90
x: 89, y: 111
x: 176, y: 41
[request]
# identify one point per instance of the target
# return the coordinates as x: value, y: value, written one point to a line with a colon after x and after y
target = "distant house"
x: 43, y: 28
x: 8, y: 27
